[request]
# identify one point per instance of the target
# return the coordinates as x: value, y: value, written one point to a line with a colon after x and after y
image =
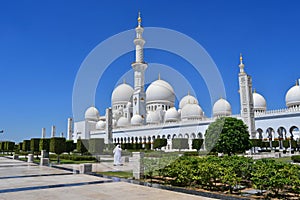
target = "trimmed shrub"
x: 137, y: 146
x: 96, y: 145
x: 257, y: 143
x: 45, y: 144
x: 57, y: 145
x: 159, y: 143
x: 275, y: 144
x: 82, y: 146
x: 9, y: 146
x: 26, y: 145
x: 35, y: 145
x: 296, y: 158
x: 148, y: 146
x: 197, y: 144
x: 1, y: 146
x: 191, y: 153
x: 126, y: 146
x: 20, y: 145
x: 70, y: 146
x: 180, y: 143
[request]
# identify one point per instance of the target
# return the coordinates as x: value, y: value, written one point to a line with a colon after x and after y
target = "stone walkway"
x: 20, y: 180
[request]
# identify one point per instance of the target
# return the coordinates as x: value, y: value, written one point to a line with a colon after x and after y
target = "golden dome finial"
x: 188, y: 92
x: 254, y: 90
x: 241, y: 65
x: 158, y: 76
x: 139, y: 19
x: 241, y: 58
x: 124, y: 80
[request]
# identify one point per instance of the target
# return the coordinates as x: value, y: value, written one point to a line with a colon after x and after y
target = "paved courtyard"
x: 21, y: 180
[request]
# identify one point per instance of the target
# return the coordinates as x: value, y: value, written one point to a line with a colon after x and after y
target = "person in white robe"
x: 117, y: 155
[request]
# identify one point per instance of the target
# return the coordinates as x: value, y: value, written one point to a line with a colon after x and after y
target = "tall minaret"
x: 139, y: 67
x: 246, y: 98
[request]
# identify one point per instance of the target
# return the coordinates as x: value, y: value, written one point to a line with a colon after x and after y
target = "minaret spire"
x: 139, y: 66
x: 241, y: 65
x: 246, y: 99
x: 139, y: 19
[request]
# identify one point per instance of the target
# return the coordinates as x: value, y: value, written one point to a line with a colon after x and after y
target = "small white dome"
x: 122, y: 94
x: 160, y: 91
x: 171, y: 115
x: 221, y: 108
x: 100, y: 125
x: 122, y: 122
x: 191, y: 112
x: 187, y: 99
x: 292, y: 97
x: 259, y: 102
x: 152, y: 118
x: 136, y: 120
x: 91, y: 114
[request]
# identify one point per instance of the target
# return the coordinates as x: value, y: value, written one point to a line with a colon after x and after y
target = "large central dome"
x: 160, y: 91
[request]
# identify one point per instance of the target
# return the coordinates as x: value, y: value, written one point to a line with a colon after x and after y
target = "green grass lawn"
x: 283, y: 159
x: 120, y: 174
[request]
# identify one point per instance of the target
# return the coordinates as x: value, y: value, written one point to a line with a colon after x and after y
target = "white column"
x: 70, y: 129
x: 53, y: 130
x: 43, y: 132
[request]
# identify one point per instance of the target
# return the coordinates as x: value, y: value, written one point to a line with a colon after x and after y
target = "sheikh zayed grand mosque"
x: 139, y: 116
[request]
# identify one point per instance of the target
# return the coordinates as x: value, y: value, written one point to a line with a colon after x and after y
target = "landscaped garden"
x: 197, y: 170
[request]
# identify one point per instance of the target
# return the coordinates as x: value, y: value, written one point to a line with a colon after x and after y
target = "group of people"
x: 117, y: 155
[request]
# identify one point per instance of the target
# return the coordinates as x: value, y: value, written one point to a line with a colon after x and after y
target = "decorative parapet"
x: 278, y: 112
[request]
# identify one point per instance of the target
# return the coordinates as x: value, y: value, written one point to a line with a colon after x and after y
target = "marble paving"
x: 19, y: 180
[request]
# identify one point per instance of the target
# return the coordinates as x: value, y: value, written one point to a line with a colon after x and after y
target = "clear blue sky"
x: 43, y: 43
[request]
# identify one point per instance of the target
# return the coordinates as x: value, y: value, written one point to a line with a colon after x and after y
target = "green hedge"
x: 197, y: 144
x: 70, y: 146
x: 131, y: 146
x: 1, y: 146
x: 35, y: 145
x: 275, y: 144
x: 296, y: 158
x: 96, y: 145
x: 26, y: 145
x: 216, y: 173
x: 159, y: 143
x: 148, y: 146
x: 9, y: 146
x: 73, y: 157
x: 58, y: 145
x: 82, y: 146
x: 20, y: 145
x: 45, y: 144
x: 257, y: 143
x: 191, y: 153
x: 180, y: 143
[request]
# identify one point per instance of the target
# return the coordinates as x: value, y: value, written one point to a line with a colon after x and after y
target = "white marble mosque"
x: 141, y: 116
